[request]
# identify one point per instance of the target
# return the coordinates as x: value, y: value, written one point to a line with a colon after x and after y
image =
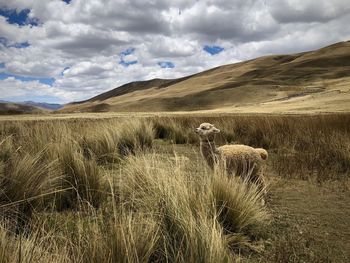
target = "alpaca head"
x: 207, y: 131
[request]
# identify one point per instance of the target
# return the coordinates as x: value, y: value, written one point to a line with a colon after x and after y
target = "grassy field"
x: 119, y: 188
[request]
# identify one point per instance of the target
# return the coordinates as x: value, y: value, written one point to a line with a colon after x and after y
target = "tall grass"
x: 171, y: 129
x: 110, y: 141
x: 30, y: 248
x: 124, y: 202
x: 156, y: 211
x: 80, y: 175
x: 101, y: 143
x: 300, y: 146
x: 238, y: 203
x: 37, y: 158
x: 188, y: 207
x: 135, y: 135
x: 24, y: 182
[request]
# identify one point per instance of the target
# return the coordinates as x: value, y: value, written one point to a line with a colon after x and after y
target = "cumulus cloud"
x: 91, y: 46
x: 235, y: 21
x: 300, y: 11
x: 14, y: 89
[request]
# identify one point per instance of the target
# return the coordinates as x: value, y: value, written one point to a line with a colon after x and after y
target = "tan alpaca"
x: 240, y: 160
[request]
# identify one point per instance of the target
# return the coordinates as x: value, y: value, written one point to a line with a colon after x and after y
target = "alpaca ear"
x: 216, y: 130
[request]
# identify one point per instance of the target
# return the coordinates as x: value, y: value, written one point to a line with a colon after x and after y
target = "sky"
x: 62, y: 51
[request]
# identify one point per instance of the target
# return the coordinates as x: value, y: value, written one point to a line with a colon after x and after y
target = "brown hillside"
x: 16, y: 108
x: 315, y: 81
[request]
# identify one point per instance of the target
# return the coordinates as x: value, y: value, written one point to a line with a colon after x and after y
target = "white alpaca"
x: 240, y: 160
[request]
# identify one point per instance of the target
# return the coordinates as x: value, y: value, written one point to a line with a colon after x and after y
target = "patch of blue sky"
x: 127, y: 63
x: 128, y: 51
x: 35, y: 98
x: 67, y: 1
x: 18, y: 17
x: 47, y: 81
x: 166, y: 64
x: 20, y: 45
x: 213, y: 50
x: 62, y: 73
x: 124, y: 54
x: 4, y: 41
x: 2, y: 64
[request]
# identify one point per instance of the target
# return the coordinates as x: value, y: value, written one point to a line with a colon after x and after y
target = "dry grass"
x: 25, y: 180
x: 98, y: 191
x: 142, y: 208
x: 15, y: 249
x: 79, y: 174
x: 301, y: 146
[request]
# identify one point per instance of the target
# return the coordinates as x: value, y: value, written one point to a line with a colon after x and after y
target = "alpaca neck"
x: 209, y: 151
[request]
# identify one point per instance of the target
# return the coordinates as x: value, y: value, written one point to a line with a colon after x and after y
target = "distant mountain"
x: 7, y: 107
x: 313, y: 81
x: 44, y: 105
x: 16, y: 108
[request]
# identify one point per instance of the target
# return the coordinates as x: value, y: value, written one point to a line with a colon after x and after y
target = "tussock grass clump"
x: 189, y: 232
x: 135, y: 135
x: 27, y: 249
x: 34, y: 136
x: 42, y: 134
x: 109, y: 142
x: 24, y: 181
x: 171, y: 129
x: 124, y: 238
x: 238, y: 202
x: 188, y: 208
x: 7, y: 148
x: 101, y: 143
x: 80, y: 175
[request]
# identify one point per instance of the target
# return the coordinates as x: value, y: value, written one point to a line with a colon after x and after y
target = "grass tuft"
x: 80, y: 175
x: 239, y: 203
x: 24, y: 180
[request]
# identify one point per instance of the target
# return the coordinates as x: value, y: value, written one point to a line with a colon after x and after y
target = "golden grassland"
x: 133, y: 188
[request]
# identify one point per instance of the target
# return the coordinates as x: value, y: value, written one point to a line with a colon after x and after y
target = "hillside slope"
x: 17, y: 108
x: 315, y: 81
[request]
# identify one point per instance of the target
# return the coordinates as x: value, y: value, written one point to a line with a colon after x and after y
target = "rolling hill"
x: 18, y: 108
x: 314, y: 81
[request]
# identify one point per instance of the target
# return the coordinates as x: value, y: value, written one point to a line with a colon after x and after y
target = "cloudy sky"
x: 62, y: 51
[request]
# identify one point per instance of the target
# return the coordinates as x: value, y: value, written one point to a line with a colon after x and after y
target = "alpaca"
x: 241, y: 160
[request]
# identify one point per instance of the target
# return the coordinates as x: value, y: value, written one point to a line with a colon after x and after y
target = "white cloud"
x: 297, y: 11
x: 169, y: 47
x: 87, y: 37
x: 10, y: 88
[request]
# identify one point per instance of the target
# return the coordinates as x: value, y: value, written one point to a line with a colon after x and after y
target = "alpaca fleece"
x: 238, y: 159
x: 243, y: 160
